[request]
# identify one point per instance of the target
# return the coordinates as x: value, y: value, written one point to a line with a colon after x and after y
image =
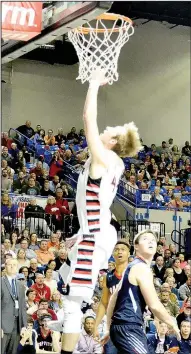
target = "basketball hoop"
x: 100, y: 46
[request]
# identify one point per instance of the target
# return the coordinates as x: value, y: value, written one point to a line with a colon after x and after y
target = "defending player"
x: 127, y: 305
x: 97, y: 187
x: 120, y: 254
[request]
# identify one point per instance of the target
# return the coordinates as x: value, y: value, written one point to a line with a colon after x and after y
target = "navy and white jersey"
x: 112, y: 279
x: 130, y: 304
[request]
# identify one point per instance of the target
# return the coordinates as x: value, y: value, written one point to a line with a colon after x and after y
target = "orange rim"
x: 173, y: 350
x: 108, y: 17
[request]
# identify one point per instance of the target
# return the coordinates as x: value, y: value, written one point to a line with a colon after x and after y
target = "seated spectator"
x: 178, y: 272
x: 56, y: 164
x: 165, y: 300
x: 30, y: 254
x: 54, y: 243
x: 43, y: 254
x: 45, y: 191
x: 8, y: 212
x: 49, y: 281
x: 7, y: 248
x: 160, y: 341
x: 131, y: 185
x: 56, y: 302
x: 22, y: 260
x: 6, y: 183
x: 33, y: 175
x: 34, y: 269
x: 34, y: 215
x: 5, y: 140
x: 54, y: 184
x: 61, y: 203
x: 42, y: 290
x: 73, y: 135
x: 158, y: 268
x: 172, y: 283
x: 186, y: 150
x: 172, y: 179
x: 184, y: 344
x: 61, y: 259
x: 159, y: 252
x: 19, y: 183
x: 30, y: 303
x: 25, y: 272
x: 38, y: 169
x: 6, y: 156
x: 30, y: 188
x: 27, y: 344
x: 19, y: 162
x: 49, y: 139
x: 168, y: 273
x: 52, y: 265
x: 185, y: 289
x: 44, y: 305
x: 186, y: 314
x: 157, y: 197
x: 60, y: 137
x: 26, y: 129
x: 87, y: 344
x: 47, y: 340
x: 99, y: 286
x: 39, y: 138
x: 187, y: 270
x: 172, y: 249
x: 33, y: 242
x: 173, y: 298
x: 53, y: 214
x: 183, y: 263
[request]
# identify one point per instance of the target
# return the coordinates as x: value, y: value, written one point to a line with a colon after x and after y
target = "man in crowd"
x: 50, y: 139
x: 43, y: 304
x: 54, y: 184
x: 30, y: 188
x: 42, y: 290
x: 45, y: 191
x: 159, y: 268
x: 160, y: 341
x: 86, y: 343
x: 172, y: 308
x: 38, y: 169
x: 61, y: 259
x: 13, y: 308
x: 26, y: 129
x: 47, y: 341
x: 167, y: 258
x: 19, y: 183
x: 6, y: 156
x: 185, y: 289
x: 173, y: 298
x: 34, y: 215
x: 185, y: 343
x: 43, y: 254
x: 6, y: 183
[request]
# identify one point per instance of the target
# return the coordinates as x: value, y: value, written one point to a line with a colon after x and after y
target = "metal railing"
x: 22, y: 140
x: 134, y: 226
x: 41, y: 223
x: 182, y: 239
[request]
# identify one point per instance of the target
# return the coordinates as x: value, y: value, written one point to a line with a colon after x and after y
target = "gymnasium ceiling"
x: 175, y: 13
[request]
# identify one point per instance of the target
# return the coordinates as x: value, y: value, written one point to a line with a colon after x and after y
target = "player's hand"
x: 105, y: 339
x: 176, y: 332
x: 98, y: 75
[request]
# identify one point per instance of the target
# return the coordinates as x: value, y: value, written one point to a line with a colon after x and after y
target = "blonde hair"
x: 60, y: 301
x: 9, y: 199
x: 128, y: 141
x: 50, y: 197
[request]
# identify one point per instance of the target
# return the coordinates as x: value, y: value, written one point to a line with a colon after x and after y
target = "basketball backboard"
x: 58, y: 18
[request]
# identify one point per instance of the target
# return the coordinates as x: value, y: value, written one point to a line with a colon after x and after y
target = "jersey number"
x: 114, y: 183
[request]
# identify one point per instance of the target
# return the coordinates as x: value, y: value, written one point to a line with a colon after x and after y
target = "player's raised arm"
x: 144, y: 279
x: 95, y: 144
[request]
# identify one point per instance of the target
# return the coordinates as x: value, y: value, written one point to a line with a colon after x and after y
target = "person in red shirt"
x: 55, y: 165
x: 61, y: 203
x: 5, y: 140
x: 38, y: 170
x: 52, y: 209
x: 43, y: 304
x: 42, y: 290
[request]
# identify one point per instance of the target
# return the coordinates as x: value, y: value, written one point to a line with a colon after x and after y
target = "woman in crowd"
x: 8, y: 212
x: 169, y: 272
x: 52, y: 265
x: 33, y: 243
x: 53, y: 212
x: 56, y: 302
x: 22, y: 260
x: 56, y: 165
x: 19, y: 162
x: 172, y: 249
x: 39, y: 138
x: 60, y: 137
x: 31, y: 305
x: 49, y: 281
x: 28, y: 282
x: 183, y: 263
x: 14, y: 240
x: 8, y: 248
x: 178, y: 272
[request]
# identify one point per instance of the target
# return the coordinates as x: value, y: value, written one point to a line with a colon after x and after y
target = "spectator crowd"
x: 38, y: 250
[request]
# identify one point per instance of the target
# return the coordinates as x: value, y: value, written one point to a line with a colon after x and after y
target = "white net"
x: 100, y: 46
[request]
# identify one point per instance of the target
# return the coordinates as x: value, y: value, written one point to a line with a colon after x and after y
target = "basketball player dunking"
x: 120, y: 254
x: 127, y: 304
x: 97, y: 187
